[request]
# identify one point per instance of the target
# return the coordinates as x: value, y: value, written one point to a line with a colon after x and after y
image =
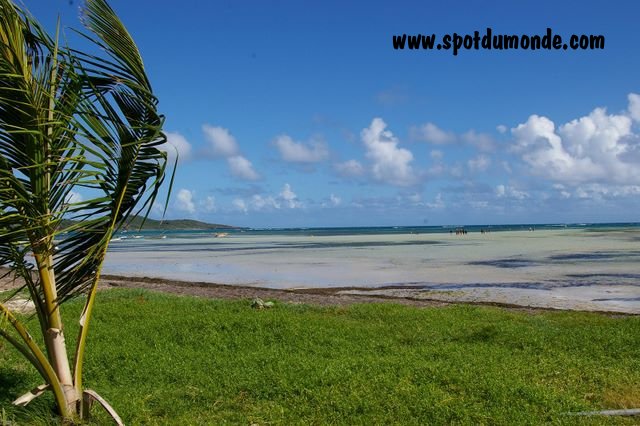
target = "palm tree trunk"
x: 54, y: 336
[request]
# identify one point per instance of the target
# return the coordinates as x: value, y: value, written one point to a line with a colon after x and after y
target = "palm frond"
x: 96, y: 126
x: 70, y: 119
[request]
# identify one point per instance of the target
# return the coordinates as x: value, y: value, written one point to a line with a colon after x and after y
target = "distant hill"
x: 177, y: 224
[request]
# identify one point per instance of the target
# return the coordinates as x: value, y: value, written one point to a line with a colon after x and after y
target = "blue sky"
x: 290, y: 113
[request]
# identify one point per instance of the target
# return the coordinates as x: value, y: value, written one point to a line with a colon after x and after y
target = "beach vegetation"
x: 80, y: 139
x: 167, y: 359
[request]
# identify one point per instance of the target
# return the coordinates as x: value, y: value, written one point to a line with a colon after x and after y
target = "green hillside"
x: 183, y: 224
x: 177, y: 224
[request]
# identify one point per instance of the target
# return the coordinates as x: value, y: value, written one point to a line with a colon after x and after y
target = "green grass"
x: 161, y: 359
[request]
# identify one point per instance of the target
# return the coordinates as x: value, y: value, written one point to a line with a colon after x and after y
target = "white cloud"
x: 437, y: 155
x: 437, y: 170
x: 582, y: 193
x: 507, y: 191
x: 634, y: 106
x: 479, y: 164
x: 517, y: 194
x: 480, y: 205
x: 429, y: 132
x: 297, y: 152
x: 266, y: 202
x: 351, y: 168
x: 415, y: 198
x: 184, y: 201
x: 599, y: 191
x: 259, y: 202
x: 597, y: 148
x: 331, y: 201
x: 209, y: 204
x: 221, y: 142
x: 242, y: 168
x: 73, y: 197
x: 482, y: 141
x: 561, y: 190
x: 289, y: 197
x: 501, y: 128
x: 438, y: 203
x: 390, y: 164
x: 157, y: 209
x: 176, y: 144
x: 239, y: 205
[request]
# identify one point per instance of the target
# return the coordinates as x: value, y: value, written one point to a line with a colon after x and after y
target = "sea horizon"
x: 496, y: 227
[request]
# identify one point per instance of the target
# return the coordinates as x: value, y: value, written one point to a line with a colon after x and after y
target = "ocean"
x: 383, y: 230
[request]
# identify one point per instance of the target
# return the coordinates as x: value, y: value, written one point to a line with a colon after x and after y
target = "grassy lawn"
x: 162, y: 359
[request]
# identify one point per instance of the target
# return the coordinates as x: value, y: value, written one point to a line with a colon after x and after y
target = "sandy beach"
x: 594, y: 270
x: 552, y: 269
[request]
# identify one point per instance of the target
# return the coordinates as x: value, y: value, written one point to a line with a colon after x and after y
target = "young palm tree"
x: 69, y: 119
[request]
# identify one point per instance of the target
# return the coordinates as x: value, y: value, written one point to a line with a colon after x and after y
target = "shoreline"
x: 322, y: 296
x: 400, y: 294
x: 568, y: 269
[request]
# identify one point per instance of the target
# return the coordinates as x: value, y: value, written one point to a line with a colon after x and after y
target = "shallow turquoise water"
x: 590, y: 264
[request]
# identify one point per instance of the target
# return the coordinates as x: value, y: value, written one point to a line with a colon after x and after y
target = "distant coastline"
x: 195, y: 225
x: 425, y: 229
x: 166, y: 225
